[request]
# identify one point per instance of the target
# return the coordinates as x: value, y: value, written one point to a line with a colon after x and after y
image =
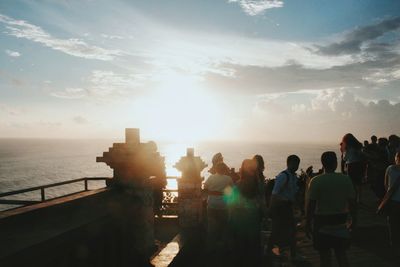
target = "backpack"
x: 269, y: 187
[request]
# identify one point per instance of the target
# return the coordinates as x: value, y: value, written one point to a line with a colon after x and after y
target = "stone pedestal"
x: 190, y: 207
x: 134, y: 163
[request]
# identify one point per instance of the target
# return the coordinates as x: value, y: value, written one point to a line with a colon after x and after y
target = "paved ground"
x: 370, y: 245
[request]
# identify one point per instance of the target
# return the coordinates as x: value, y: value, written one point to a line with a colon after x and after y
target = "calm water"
x: 29, y: 162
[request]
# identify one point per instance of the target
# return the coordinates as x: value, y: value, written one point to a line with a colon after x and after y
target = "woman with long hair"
x: 245, y: 217
x: 354, y: 162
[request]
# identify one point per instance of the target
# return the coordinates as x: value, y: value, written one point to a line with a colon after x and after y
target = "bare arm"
x: 386, y: 179
x: 353, y: 212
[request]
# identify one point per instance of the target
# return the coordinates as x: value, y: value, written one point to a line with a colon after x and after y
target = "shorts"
x: 323, y: 240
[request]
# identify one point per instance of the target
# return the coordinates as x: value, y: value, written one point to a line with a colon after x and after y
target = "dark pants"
x: 394, y: 223
x: 217, y: 229
x: 283, y: 224
x: 246, y: 236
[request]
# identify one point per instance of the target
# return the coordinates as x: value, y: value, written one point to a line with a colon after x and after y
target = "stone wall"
x: 105, y: 227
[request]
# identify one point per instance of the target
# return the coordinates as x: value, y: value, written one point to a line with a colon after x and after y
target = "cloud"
x: 353, y: 41
x: 288, y: 78
x: 11, y: 110
x: 112, y: 37
x: 13, y: 53
x: 104, y: 85
x: 256, y: 7
x: 70, y: 93
x: 74, y: 47
x: 80, y: 120
x: 325, y: 115
x: 378, y: 67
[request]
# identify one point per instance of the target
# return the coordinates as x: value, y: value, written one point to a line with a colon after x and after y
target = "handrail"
x: 42, y: 187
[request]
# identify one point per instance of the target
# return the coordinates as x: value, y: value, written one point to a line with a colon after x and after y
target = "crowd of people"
x: 239, y: 204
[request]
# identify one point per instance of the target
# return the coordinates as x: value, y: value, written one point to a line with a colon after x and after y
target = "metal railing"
x: 42, y: 189
x: 169, y: 201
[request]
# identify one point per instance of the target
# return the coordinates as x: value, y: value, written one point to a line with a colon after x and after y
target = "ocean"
x: 31, y: 162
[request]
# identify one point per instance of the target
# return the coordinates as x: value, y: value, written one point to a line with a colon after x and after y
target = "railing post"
x: 42, y: 193
x: 86, y: 184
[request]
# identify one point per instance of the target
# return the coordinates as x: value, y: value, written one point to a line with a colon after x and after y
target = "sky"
x: 210, y: 70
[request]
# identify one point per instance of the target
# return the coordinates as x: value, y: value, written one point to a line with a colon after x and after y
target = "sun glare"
x: 179, y: 110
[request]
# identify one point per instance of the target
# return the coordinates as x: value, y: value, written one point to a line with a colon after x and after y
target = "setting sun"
x: 179, y: 110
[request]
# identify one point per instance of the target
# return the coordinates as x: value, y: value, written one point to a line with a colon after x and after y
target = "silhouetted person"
x: 281, y: 208
x: 392, y: 180
x: 372, y: 153
x: 261, y: 183
x: 374, y: 140
x: 393, y: 147
x: 217, y: 158
x: 245, y: 221
x: 217, y: 211
x: 366, y: 144
x: 355, y: 164
x: 381, y: 163
x: 330, y: 198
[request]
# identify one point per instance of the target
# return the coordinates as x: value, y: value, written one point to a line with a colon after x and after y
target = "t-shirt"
x: 393, y: 173
x: 217, y: 183
x: 286, y: 185
x: 332, y: 192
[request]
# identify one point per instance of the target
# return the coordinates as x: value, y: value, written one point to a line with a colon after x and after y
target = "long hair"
x: 350, y: 141
x: 260, y: 166
x: 248, y: 178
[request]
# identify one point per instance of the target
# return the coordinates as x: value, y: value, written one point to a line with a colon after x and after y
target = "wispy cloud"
x: 256, y: 7
x: 363, y: 58
x: 70, y: 93
x: 74, y: 47
x: 110, y: 36
x: 13, y: 53
x: 104, y: 85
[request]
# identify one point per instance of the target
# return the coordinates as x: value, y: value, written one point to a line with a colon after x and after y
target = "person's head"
x: 248, y: 178
x: 248, y: 168
x: 293, y: 162
x: 349, y: 141
x: 329, y: 161
x: 397, y: 158
x: 260, y: 162
x: 366, y: 143
x: 374, y: 139
x: 221, y: 168
x: 217, y: 158
x: 382, y: 142
x: 394, y: 140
